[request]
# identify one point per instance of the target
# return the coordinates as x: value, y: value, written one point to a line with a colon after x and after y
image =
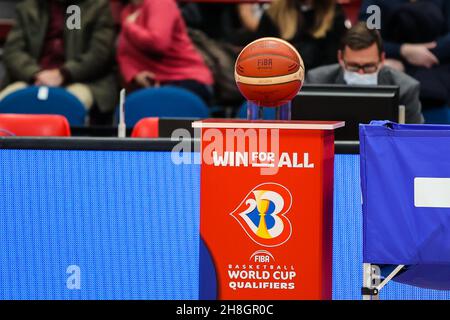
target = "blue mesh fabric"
x: 129, y: 221
x: 347, y: 237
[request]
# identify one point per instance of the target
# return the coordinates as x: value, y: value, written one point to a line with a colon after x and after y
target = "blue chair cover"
x: 58, y: 101
x: 399, y: 226
x: 169, y: 102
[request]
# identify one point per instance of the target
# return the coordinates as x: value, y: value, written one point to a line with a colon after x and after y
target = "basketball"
x: 269, y: 72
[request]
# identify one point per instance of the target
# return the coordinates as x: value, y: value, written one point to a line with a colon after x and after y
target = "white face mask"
x: 366, y: 79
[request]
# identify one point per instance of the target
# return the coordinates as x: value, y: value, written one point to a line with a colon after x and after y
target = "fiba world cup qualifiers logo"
x: 262, y: 214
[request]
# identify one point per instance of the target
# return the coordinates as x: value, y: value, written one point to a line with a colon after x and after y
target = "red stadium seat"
x: 146, y: 128
x: 33, y: 125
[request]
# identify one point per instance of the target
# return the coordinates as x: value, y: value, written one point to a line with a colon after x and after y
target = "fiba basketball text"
x: 255, y: 148
x: 264, y: 64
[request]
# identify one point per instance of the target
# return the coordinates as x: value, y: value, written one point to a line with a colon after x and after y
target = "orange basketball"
x: 269, y: 72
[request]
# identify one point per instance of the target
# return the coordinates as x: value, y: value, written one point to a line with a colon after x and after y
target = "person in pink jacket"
x: 154, y: 49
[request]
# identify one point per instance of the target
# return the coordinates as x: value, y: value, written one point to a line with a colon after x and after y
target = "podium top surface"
x: 268, y: 124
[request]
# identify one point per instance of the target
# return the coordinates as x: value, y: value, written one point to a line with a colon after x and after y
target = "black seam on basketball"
x: 240, y: 68
x: 269, y: 84
x: 277, y: 76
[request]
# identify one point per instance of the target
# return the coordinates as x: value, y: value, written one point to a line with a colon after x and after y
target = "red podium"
x: 266, y: 209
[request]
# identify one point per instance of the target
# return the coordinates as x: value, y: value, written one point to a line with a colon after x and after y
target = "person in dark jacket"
x: 315, y: 28
x: 361, y: 60
x: 417, y: 41
x: 42, y: 50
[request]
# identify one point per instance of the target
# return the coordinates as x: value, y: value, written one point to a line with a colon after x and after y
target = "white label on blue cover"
x: 432, y: 192
x: 42, y: 93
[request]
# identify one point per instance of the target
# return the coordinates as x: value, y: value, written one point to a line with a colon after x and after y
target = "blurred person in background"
x: 361, y: 62
x: 417, y: 41
x: 154, y: 49
x: 314, y: 27
x: 229, y: 23
x: 41, y: 50
x: 250, y: 14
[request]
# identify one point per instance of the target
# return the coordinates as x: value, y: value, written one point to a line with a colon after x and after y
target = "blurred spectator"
x: 361, y: 60
x: 154, y: 49
x: 250, y: 15
x: 228, y: 23
x: 191, y: 14
x: 351, y: 10
x: 220, y: 21
x: 42, y: 50
x: 314, y: 27
x: 417, y: 35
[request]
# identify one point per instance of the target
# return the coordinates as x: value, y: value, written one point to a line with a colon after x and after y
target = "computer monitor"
x: 352, y: 104
x: 166, y: 126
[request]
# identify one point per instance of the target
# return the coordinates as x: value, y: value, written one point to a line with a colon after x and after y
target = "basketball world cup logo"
x: 262, y: 214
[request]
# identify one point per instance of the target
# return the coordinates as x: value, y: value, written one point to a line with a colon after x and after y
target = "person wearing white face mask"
x: 361, y: 62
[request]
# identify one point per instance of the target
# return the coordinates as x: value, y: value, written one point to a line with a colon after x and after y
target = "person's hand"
x: 395, y: 64
x: 419, y: 54
x: 50, y: 78
x: 132, y: 17
x: 145, y: 79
